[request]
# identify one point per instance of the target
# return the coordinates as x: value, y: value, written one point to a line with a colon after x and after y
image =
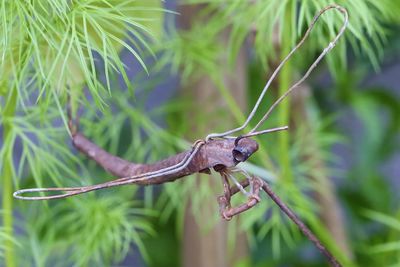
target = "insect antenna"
x: 253, y: 133
x: 330, y: 46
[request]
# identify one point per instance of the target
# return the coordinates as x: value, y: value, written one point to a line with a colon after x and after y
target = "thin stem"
x: 306, y: 231
x: 228, y: 212
x: 285, y: 79
x: 7, y: 187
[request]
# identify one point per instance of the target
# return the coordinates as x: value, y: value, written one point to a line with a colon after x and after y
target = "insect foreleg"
x: 227, y: 212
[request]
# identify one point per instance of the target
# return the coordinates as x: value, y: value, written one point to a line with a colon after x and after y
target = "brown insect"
x: 218, y: 151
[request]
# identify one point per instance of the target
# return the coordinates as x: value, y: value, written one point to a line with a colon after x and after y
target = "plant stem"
x: 306, y: 231
x: 7, y: 187
x: 284, y: 84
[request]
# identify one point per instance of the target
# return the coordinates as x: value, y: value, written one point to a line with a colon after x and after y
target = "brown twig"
x: 306, y: 231
x: 228, y: 212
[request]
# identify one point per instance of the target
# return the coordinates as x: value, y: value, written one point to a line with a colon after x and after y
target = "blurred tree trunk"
x: 209, y: 248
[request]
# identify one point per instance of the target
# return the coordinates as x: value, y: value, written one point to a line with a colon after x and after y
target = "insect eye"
x: 240, y: 154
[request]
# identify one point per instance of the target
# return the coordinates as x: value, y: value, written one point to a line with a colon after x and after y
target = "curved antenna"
x: 274, y: 74
x: 72, y: 191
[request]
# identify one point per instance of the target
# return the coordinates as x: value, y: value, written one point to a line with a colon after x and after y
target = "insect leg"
x: 227, y: 191
x: 225, y: 200
x: 228, y: 212
x: 239, y: 186
x: 251, y: 182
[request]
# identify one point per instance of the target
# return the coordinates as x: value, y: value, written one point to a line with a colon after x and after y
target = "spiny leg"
x: 225, y: 200
x: 227, y: 187
x: 251, y: 202
x: 227, y: 212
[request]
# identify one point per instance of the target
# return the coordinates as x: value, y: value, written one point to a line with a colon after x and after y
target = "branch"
x: 306, y: 231
x: 228, y: 212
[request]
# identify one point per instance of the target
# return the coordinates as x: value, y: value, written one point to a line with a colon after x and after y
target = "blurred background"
x: 147, y: 78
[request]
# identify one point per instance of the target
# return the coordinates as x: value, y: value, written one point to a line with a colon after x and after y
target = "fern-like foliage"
x: 57, y: 45
x: 385, y: 249
x: 48, y: 50
x: 91, y: 230
x: 266, y: 19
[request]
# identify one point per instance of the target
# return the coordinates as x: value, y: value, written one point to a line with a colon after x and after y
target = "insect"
x: 220, y: 152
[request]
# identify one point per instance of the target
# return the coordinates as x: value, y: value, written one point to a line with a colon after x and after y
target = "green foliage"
x: 55, y: 45
x: 100, y: 228
x: 387, y: 246
x: 91, y: 230
x: 195, y: 52
x: 43, y: 152
x: 367, y: 186
x: 264, y: 20
x: 3, y: 237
